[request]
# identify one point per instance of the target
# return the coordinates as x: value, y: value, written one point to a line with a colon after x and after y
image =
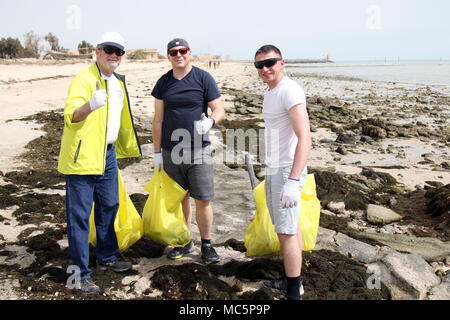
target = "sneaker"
x: 209, y: 255
x: 116, y: 265
x: 281, y: 284
x: 87, y: 286
x: 178, y: 252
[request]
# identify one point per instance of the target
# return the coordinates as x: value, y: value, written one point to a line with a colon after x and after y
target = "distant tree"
x: 53, y: 42
x: 10, y: 48
x: 85, y: 47
x: 32, y: 47
x: 2, y: 48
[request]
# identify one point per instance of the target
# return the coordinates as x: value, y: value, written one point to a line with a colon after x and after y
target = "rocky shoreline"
x: 382, y: 235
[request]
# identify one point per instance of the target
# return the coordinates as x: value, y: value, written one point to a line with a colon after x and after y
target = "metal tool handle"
x: 251, y: 171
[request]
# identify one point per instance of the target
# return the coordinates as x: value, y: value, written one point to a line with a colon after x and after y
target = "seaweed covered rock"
x: 191, y: 281
x: 427, y: 210
x: 374, y: 128
x: 374, y: 132
x: 328, y: 275
x: 380, y: 177
x: 333, y: 187
x: 439, y: 201
x: 257, y: 269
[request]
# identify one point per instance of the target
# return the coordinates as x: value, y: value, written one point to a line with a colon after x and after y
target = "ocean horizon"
x: 416, y: 72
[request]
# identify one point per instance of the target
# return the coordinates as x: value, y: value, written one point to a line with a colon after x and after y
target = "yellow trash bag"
x: 163, y: 216
x: 260, y: 237
x: 128, y: 224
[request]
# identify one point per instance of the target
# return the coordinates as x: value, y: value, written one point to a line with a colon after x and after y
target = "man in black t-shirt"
x: 181, y: 141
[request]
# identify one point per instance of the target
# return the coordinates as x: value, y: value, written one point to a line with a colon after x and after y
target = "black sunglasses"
x: 266, y: 63
x: 174, y: 53
x: 111, y: 50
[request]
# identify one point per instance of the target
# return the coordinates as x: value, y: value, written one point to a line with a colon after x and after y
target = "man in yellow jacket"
x: 98, y: 129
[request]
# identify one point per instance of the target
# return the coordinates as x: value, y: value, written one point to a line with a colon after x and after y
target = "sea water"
x: 420, y: 73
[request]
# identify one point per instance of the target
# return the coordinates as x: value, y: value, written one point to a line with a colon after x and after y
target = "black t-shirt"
x: 184, y: 102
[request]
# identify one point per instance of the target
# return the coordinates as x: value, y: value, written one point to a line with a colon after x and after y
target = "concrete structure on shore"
x: 143, y: 54
x: 55, y: 55
x: 324, y: 60
x: 205, y: 58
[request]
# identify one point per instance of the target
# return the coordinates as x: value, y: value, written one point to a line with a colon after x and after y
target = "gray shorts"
x: 196, y: 174
x: 284, y: 219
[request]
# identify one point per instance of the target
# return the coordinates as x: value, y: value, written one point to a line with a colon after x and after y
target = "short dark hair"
x: 268, y: 48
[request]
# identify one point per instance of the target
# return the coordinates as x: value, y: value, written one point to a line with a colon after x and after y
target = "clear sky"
x: 345, y: 30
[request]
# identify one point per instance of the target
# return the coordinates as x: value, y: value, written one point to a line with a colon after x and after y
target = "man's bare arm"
x: 157, y: 124
x: 218, y: 111
x: 300, y: 122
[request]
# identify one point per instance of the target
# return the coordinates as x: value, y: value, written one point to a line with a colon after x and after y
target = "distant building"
x: 142, y: 54
x: 206, y: 58
x: 67, y: 55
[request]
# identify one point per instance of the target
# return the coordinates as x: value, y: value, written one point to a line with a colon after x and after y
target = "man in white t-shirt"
x: 288, y: 143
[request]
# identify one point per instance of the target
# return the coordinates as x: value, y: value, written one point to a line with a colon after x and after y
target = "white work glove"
x: 158, y: 161
x: 290, y: 195
x: 99, y: 98
x: 204, y: 125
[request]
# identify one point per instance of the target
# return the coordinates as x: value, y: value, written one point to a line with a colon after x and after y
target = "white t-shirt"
x: 116, y: 96
x: 281, y: 140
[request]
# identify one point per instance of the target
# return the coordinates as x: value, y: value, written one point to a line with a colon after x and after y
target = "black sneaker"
x: 116, y: 266
x: 87, y: 286
x: 209, y: 255
x: 178, y: 252
x: 281, y: 284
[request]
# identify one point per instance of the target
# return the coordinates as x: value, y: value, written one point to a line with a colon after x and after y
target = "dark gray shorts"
x: 195, y: 174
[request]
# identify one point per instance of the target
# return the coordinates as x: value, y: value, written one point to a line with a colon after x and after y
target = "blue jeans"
x: 81, y: 191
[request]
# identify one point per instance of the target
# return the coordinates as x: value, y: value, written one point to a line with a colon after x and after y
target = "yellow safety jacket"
x: 84, y: 144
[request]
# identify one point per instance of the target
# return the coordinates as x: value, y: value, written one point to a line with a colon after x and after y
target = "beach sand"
x: 407, y: 138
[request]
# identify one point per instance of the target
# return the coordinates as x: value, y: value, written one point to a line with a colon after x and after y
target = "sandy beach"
x: 387, y: 141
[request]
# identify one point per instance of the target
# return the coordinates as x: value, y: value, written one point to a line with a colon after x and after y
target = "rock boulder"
x: 381, y: 215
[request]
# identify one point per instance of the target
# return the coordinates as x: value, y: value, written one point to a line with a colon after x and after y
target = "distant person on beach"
x: 181, y: 139
x: 288, y: 143
x: 98, y: 127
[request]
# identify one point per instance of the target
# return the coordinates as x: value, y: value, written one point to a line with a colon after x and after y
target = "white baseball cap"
x: 112, y: 39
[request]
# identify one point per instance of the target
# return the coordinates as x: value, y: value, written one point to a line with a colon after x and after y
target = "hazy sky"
x: 345, y: 30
